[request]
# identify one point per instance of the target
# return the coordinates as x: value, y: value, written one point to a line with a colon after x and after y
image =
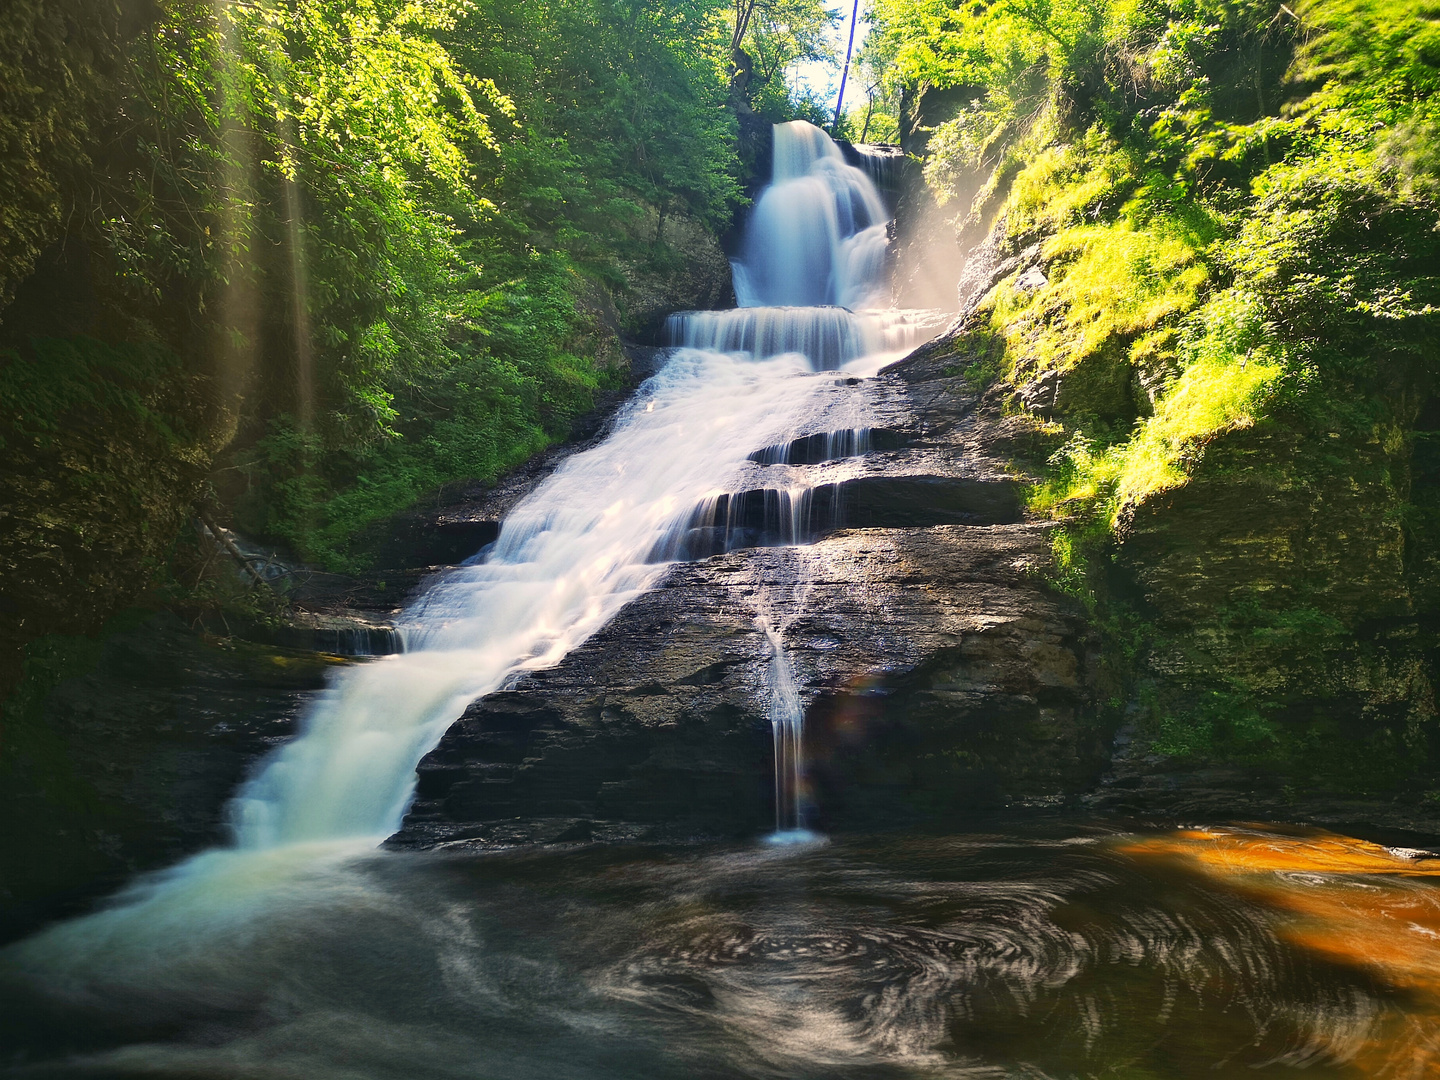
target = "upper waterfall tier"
x: 818, y: 234
x: 828, y: 337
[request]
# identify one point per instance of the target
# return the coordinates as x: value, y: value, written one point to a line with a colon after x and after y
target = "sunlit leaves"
x: 776, y: 34
x: 367, y: 75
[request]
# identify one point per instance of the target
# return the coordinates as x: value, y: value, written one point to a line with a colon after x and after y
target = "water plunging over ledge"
x: 818, y: 234
x: 787, y: 725
x: 595, y: 534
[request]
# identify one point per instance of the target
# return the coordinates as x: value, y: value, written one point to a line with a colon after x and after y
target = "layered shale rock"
x: 937, y: 672
x: 937, y: 669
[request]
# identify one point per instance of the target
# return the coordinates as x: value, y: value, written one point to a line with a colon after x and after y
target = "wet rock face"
x: 127, y: 764
x: 937, y: 671
x: 658, y: 721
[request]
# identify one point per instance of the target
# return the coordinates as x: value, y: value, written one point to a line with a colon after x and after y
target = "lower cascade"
x: 597, y: 534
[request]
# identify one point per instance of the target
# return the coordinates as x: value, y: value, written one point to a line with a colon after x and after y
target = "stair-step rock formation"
x: 938, y: 670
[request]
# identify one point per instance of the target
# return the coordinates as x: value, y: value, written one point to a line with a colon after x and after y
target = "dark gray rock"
x: 937, y: 672
x: 1145, y: 786
x: 127, y: 764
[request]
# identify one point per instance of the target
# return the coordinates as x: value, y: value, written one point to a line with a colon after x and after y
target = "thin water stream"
x: 1028, y: 951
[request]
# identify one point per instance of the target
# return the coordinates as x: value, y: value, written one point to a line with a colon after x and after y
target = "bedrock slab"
x: 937, y: 672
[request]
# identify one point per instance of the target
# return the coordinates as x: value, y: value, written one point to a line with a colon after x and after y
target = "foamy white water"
x: 567, y: 559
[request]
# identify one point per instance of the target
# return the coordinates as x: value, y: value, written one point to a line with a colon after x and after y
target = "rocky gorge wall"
x: 1268, y: 628
x: 1257, y: 642
x: 1268, y: 605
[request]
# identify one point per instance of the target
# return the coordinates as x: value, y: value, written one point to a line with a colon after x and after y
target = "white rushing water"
x: 818, y: 233
x: 590, y: 538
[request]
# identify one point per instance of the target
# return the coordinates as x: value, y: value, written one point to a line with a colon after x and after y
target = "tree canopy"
x: 389, y: 236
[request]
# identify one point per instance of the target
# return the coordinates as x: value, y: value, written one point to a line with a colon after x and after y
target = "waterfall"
x: 827, y: 446
x: 818, y: 234
x: 739, y: 439
x: 566, y: 560
x: 787, y: 728
x: 597, y: 533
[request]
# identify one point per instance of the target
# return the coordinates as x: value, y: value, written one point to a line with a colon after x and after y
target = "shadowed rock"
x: 920, y: 699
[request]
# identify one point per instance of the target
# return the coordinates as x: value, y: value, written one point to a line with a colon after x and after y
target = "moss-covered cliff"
x: 1205, y: 261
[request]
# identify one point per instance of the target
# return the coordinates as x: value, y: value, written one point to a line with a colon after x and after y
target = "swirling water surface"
x: 1033, y: 952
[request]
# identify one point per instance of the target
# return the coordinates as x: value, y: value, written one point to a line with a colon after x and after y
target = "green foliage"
x: 1107, y: 283
x: 288, y: 186
x: 105, y: 448
x: 1222, y: 724
x: 59, y: 386
x: 57, y: 63
x: 1228, y: 379
x: 1336, y: 251
x: 617, y: 106
x: 766, y: 38
x: 1224, y: 205
x: 1074, y: 554
x: 1375, y: 59
x: 504, y: 396
x: 875, y: 104
x: 374, y: 231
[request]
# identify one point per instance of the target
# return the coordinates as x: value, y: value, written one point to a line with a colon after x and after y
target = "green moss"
x: 1226, y: 381
x: 1124, y: 317
x: 1211, y: 398
x: 1105, y: 283
x: 1237, y: 213
x: 1070, y: 185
